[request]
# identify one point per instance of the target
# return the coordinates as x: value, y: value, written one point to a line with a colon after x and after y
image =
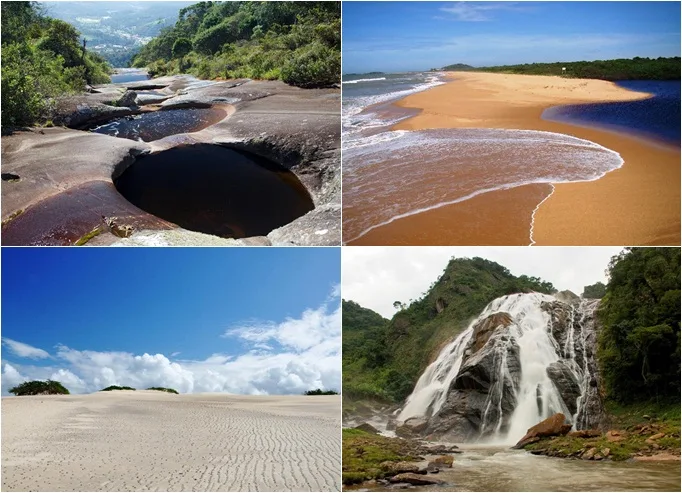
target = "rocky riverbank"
x: 373, y: 460
x: 59, y: 182
x: 652, y: 438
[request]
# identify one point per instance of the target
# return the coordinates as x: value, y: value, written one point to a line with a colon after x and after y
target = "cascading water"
x: 524, y: 358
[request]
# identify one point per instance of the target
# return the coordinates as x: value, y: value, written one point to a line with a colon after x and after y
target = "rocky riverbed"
x: 60, y: 183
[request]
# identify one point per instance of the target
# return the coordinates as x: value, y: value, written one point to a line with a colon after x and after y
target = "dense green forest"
x: 297, y: 42
x: 621, y: 69
x: 383, y: 359
x: 39, y: 387
x: 639, y: 345
x: 42, y: 58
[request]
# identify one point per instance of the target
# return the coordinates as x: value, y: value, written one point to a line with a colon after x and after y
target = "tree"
x: 398, y: 305
x: 595, y: 291
x: 639, y: 344
x: 181, y: 47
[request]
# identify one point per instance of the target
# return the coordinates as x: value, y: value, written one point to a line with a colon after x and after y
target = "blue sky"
x: 243, y: 320
x: 401, y: 36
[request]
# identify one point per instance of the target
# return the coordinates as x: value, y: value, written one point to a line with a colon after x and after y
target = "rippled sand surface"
x: 153, y: 441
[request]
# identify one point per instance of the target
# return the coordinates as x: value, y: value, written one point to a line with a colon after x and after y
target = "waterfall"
x: 525, y: 357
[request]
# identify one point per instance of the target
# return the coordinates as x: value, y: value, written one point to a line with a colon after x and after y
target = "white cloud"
x: 24, y: 350
x: 309, y: 357
x: 478, y: 11
x: 375, y: 277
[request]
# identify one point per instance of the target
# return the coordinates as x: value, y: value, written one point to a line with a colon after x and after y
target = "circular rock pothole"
x: 215, y: 190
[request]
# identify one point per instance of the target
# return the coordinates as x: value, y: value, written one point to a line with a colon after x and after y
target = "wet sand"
x: 153, y: 441
x: 638, y: 204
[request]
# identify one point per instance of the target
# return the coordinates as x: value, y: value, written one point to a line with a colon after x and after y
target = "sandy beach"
x: 153, y: 441
x: 637, y: 204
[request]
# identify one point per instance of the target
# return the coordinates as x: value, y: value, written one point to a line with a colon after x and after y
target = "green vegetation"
x: 621, y: 69
x: 39, y: 387
x: 595, y: 291
x: 42, y: 59
x: 320, y: 392
x: 116, y: 387
x: 382, y: 359
x: 635, y: 423
x: 297, y: 42
x: 639, y: 344
x: 455, y: 66
x: 364, y: 452
x: 164, y: 389
x: 88, y: 236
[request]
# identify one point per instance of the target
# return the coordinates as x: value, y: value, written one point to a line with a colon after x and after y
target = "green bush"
x: 39, y: 387
x: 297, y: 42
x: 116, y: 387
x: 313, y: 66
x: 164, y: 389
x: 320, y: 392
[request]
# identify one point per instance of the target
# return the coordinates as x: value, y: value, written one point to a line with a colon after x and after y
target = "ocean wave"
x: 362, y: 80
x: 403, y: 174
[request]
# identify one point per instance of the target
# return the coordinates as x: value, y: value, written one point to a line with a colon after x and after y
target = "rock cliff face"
x: 525, y: 358
x: 64, y: 190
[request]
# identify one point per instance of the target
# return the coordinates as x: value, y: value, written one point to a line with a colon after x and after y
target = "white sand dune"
x: 153, y: 441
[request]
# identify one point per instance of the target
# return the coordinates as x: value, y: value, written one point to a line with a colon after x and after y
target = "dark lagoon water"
x: 657, y: 117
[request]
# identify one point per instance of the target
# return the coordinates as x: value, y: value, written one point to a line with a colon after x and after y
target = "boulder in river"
x: 414, y: 479
x: 392, y: 467
x: 367, y: 428
x: 552, y: 426
x: 411, y: 427
x: 128, y: 99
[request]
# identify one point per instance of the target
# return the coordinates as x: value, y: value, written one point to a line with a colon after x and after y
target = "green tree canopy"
x: 39, y: 387
x: 595, y: 291
x: 639, y: 344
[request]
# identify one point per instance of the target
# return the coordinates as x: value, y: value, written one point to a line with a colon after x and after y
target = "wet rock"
x: 393, y: 468
x: 128, y: 99
x: 589, y: 454
x: 444, y: 460
x: 432, y: 468
x: 414, y: 479
x: 564, y: 378
x: 411, y: 427
x: 539, y: 452
x: 568, y: 297
x: 441, y: 449
x: 552, y: 426
x: 367, y: 428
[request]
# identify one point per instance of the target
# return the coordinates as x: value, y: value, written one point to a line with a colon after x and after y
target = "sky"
x: 242, y: 320
x: 375, y: 277
x: 404, y: 36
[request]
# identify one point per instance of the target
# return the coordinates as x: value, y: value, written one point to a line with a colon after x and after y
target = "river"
x: 486, y: 468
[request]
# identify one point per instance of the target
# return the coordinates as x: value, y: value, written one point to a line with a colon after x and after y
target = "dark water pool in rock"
x: 215, y: 190
x: 159, y: 124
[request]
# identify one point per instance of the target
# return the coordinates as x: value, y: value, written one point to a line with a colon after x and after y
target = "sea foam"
x: 399, y: 174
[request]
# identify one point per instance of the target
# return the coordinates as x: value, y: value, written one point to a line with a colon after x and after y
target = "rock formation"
x: 65, y: 185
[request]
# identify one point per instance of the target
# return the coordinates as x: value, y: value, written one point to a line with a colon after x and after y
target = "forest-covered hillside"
x: 297, y: 42
x: 621, y: 69
x: 383, y: 359
x: 42, y: 58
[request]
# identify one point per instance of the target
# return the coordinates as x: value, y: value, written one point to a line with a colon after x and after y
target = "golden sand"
x: 638, y: 204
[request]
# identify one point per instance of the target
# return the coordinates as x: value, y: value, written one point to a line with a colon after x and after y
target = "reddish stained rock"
x: 552, y: 426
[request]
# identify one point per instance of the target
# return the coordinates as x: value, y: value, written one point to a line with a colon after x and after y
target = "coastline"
x: 607, y: 211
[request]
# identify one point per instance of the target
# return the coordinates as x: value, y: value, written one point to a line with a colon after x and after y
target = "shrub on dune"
x: 116, y: 387
x: 164, y: 389
x: 39, y: 387
x: 320, y: 392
